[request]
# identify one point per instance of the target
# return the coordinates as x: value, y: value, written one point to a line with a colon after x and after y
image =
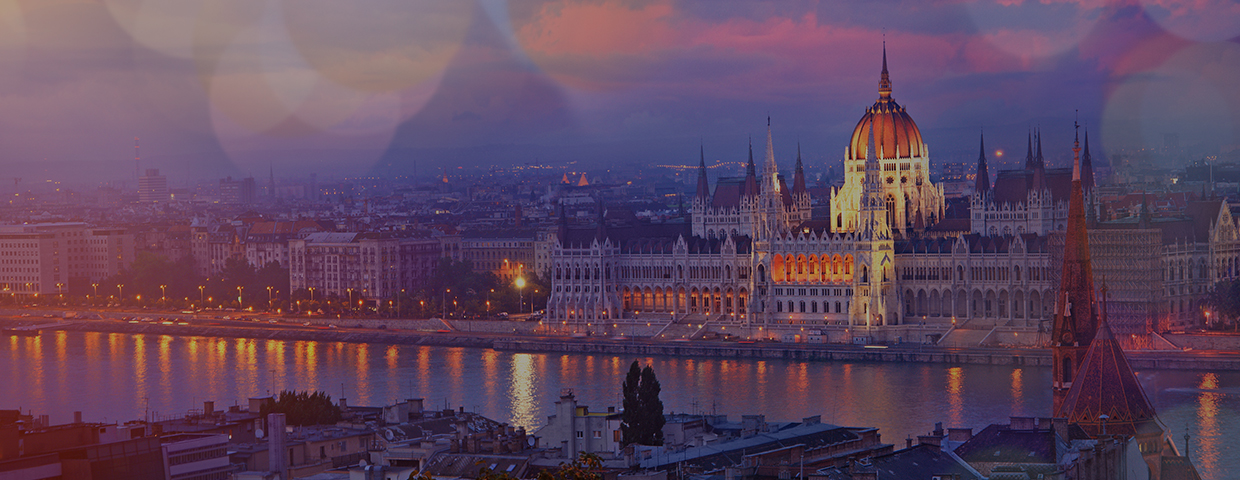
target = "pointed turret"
x: 1039, y: 166
x: 1076, y: 309
x: 982, y: 183
x: 751, y: 176
x: 1029, y: 153
x: 798, y: 176
x: 703, y: 185
x: 884, y: 82
x: 770, y: 171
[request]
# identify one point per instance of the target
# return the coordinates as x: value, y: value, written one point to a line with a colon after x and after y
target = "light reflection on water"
x: 57, y: 372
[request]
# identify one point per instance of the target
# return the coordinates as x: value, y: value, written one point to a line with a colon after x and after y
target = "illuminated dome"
x: 894, y: 130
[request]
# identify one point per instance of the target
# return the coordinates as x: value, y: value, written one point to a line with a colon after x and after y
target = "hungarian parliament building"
x: 889, y: 258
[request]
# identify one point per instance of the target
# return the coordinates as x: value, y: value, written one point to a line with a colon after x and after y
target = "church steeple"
x: 1076, y: 309
x: 703, y: 185
x: 982, y: 183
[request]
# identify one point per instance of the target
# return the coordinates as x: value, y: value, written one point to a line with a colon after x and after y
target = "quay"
x: 515, y: 336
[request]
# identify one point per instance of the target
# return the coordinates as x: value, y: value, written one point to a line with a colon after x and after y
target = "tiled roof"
x: 1002, y: 444
x: 1106, y: 385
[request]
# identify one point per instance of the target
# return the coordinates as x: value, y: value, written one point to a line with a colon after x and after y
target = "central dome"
x: 894, y: 131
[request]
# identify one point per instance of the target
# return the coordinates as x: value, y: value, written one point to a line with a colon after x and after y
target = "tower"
x: 873, y: 249
x: 903, y: 162
x: 800, y: 194
x: 1076, y: 308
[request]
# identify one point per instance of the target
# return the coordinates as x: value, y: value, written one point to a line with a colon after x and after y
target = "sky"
x: 395, y: 87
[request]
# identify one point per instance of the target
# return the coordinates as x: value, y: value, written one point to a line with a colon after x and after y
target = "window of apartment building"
x: 598, y: 434
x: 581, y: 434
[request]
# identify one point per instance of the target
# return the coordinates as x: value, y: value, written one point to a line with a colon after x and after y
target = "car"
x: 48, y: 315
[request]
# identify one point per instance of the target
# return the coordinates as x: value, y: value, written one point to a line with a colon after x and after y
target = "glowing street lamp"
x: 239, y: 289
x: 521, y: 293
x: 163, y: 293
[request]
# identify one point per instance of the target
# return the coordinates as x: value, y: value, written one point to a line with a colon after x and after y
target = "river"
x: 119, y: 377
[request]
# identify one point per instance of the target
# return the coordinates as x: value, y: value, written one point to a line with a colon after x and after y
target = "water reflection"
x: 177, y: 373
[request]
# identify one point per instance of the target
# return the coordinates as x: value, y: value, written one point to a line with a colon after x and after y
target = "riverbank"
x: 503, y: 338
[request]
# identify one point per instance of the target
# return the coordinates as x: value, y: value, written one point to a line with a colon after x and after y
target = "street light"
x: 120, y: 292
x: 96, y: 287
x: 269, y: 299
x: 521, y: 293
x: 201, y: 299
x: 239, y: 304
x: 163, y: 293
x: 443, y: 303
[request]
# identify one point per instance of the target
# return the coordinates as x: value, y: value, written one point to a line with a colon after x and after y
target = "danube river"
x: 118, y: 377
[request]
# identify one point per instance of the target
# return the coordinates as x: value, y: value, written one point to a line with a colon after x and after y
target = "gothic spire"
x: 770, y: 170
x: 798, y: 176
x: 703, y: 186
x: 1029, y: 153
x: 884, y: 83
x: 982, y: 184
x: 751, y: 175
x: 1076, y: 309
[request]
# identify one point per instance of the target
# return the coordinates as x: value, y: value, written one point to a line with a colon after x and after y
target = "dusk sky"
x: 235, y: 87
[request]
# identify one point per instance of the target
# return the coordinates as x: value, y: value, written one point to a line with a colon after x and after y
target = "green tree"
x: 304, y: 408
x: 642, y: 421
x: 1224, y: 298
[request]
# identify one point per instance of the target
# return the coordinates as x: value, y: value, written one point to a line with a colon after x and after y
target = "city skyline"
x: 220, y: 89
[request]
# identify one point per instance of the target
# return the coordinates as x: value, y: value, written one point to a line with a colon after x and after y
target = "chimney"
x: 908, y: 442
x: 938, y: 429
x: 1023, y: 423
x: 344, y: 403
x: 959, y: 434
x: 77, y: 417
x: 277, y: 461
x: 936, y: 440
x: 44, y: 421
x: 814, y: 420
x: 208, y: 408
x: 1061, y: 427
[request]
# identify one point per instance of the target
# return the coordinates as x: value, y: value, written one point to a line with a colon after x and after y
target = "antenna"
x: 137, y: 159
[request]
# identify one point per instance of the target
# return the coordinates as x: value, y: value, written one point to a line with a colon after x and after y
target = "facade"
x: 45, y: 258
x: 574, y: 429
x: 751, y: 255
x: 357, y: 265
x: 888, y: 263
x: 238, y: 192
x: 153, y: 187
x: 190, y: 456
x: 267, y: 242
x: 506, y: 253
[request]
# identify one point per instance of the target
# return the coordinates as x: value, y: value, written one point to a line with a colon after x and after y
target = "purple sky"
x: 234, y: 87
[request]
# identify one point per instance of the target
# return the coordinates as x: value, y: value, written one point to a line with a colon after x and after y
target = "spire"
x: 770, y: 170
x: 751, y: 175
x: 1029, y: 153
x: 884, y: 83
x: 798, y: 177
x: 1038, y: 158
x: 703, y: 186
x: 1076, y: 308
x: 982, y: 184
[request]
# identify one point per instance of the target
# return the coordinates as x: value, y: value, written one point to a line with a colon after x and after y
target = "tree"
x: 304, y: 408
x: 642, y: 421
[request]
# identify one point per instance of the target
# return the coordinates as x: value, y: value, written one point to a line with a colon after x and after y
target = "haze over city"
x: 619, y: 240
x: 377, y: 86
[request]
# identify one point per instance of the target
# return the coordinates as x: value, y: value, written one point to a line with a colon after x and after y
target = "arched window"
x: 891, y: 211
x: 761, y: 273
